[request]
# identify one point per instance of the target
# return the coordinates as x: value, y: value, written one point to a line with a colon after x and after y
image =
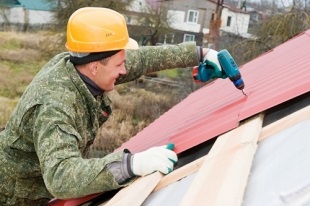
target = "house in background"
x: 191, y: 20
x: 22, y: 15
x: 235, y: 21
x: 143, y: 21
x: 134, y: 10
x: 256, y: 17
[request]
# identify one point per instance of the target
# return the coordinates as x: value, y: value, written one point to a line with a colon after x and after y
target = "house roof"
x: 42, y: 5
x: 279, y: 77
x: 9, y: 3
x: 271, y: 79
x: 240, y: 166
x: 234, y: 9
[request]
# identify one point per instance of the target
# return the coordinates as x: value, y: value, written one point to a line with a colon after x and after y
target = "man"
x: 59, y: 114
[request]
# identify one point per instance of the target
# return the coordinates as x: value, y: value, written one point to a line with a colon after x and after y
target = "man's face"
x: 109, y: 71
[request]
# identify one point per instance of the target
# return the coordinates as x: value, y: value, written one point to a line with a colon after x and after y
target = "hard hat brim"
x: 132, y: 44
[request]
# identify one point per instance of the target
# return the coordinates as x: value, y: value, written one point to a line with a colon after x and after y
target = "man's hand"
x: 211, y: 60
x: 154, y: 159
x: 209, y: 67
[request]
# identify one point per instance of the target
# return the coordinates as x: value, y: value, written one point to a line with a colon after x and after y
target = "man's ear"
x: 93, y: 68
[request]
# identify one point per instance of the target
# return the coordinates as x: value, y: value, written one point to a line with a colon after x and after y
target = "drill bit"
x: 243, y: 91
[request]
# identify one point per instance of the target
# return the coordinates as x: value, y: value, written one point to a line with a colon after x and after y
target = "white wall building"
x: 20, y: 15
x: 135, y: 9
x: 235, y: 21
x: 185, y: 20
x: 24, y: 13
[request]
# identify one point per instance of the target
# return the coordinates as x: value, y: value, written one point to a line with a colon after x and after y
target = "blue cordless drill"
x: 206, y: 71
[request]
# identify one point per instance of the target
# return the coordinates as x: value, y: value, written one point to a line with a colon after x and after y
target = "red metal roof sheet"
x: 275, y: 77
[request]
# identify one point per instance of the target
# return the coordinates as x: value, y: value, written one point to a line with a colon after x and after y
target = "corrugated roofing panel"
x: 275, y: 77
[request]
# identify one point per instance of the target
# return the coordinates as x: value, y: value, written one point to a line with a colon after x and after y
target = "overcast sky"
x: 279, y: 2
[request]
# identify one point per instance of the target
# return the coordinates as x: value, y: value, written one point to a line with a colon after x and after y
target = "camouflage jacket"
x: 43, y: 145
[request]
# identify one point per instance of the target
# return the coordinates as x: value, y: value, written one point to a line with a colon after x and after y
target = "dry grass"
x: 20, y: 60
x: 6, y: 108
x: 133, y: 109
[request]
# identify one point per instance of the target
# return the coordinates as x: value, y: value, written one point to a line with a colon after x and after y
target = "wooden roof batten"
x: 222, y: 145
x: 222, y: 173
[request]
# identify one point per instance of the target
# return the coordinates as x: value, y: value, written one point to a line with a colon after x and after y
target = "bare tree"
x: 301, y: 5
x: 153, y: 24
x: 269, y: 34
x: 5, y: 14
x: 66, y: 7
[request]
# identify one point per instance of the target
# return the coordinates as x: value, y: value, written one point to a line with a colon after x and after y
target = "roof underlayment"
x: 275, y: 77
x: 281, y: 168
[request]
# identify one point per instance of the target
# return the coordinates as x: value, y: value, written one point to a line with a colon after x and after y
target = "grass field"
x: 20, y: 59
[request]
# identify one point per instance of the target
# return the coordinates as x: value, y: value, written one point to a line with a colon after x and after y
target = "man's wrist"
x: 128, y: 158
x: 201, y: 53
x: 204, y: 52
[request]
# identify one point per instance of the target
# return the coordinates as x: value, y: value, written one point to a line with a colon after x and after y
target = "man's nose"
x: 123, y: 70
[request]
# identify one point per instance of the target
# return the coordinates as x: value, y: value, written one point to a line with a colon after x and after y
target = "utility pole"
x: 216, y: 24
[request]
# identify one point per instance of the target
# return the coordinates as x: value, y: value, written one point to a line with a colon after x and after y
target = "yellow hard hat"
x: 95, y: 29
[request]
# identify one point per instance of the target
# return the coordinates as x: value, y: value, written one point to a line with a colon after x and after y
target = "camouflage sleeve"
x: 66, y: 174
x: 155, y: 58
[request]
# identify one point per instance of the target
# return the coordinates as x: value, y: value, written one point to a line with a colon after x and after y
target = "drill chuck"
x: 237, y: 81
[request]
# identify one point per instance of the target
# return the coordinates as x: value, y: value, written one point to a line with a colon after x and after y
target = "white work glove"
x: 211, y: 59
x: 154, y: 159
